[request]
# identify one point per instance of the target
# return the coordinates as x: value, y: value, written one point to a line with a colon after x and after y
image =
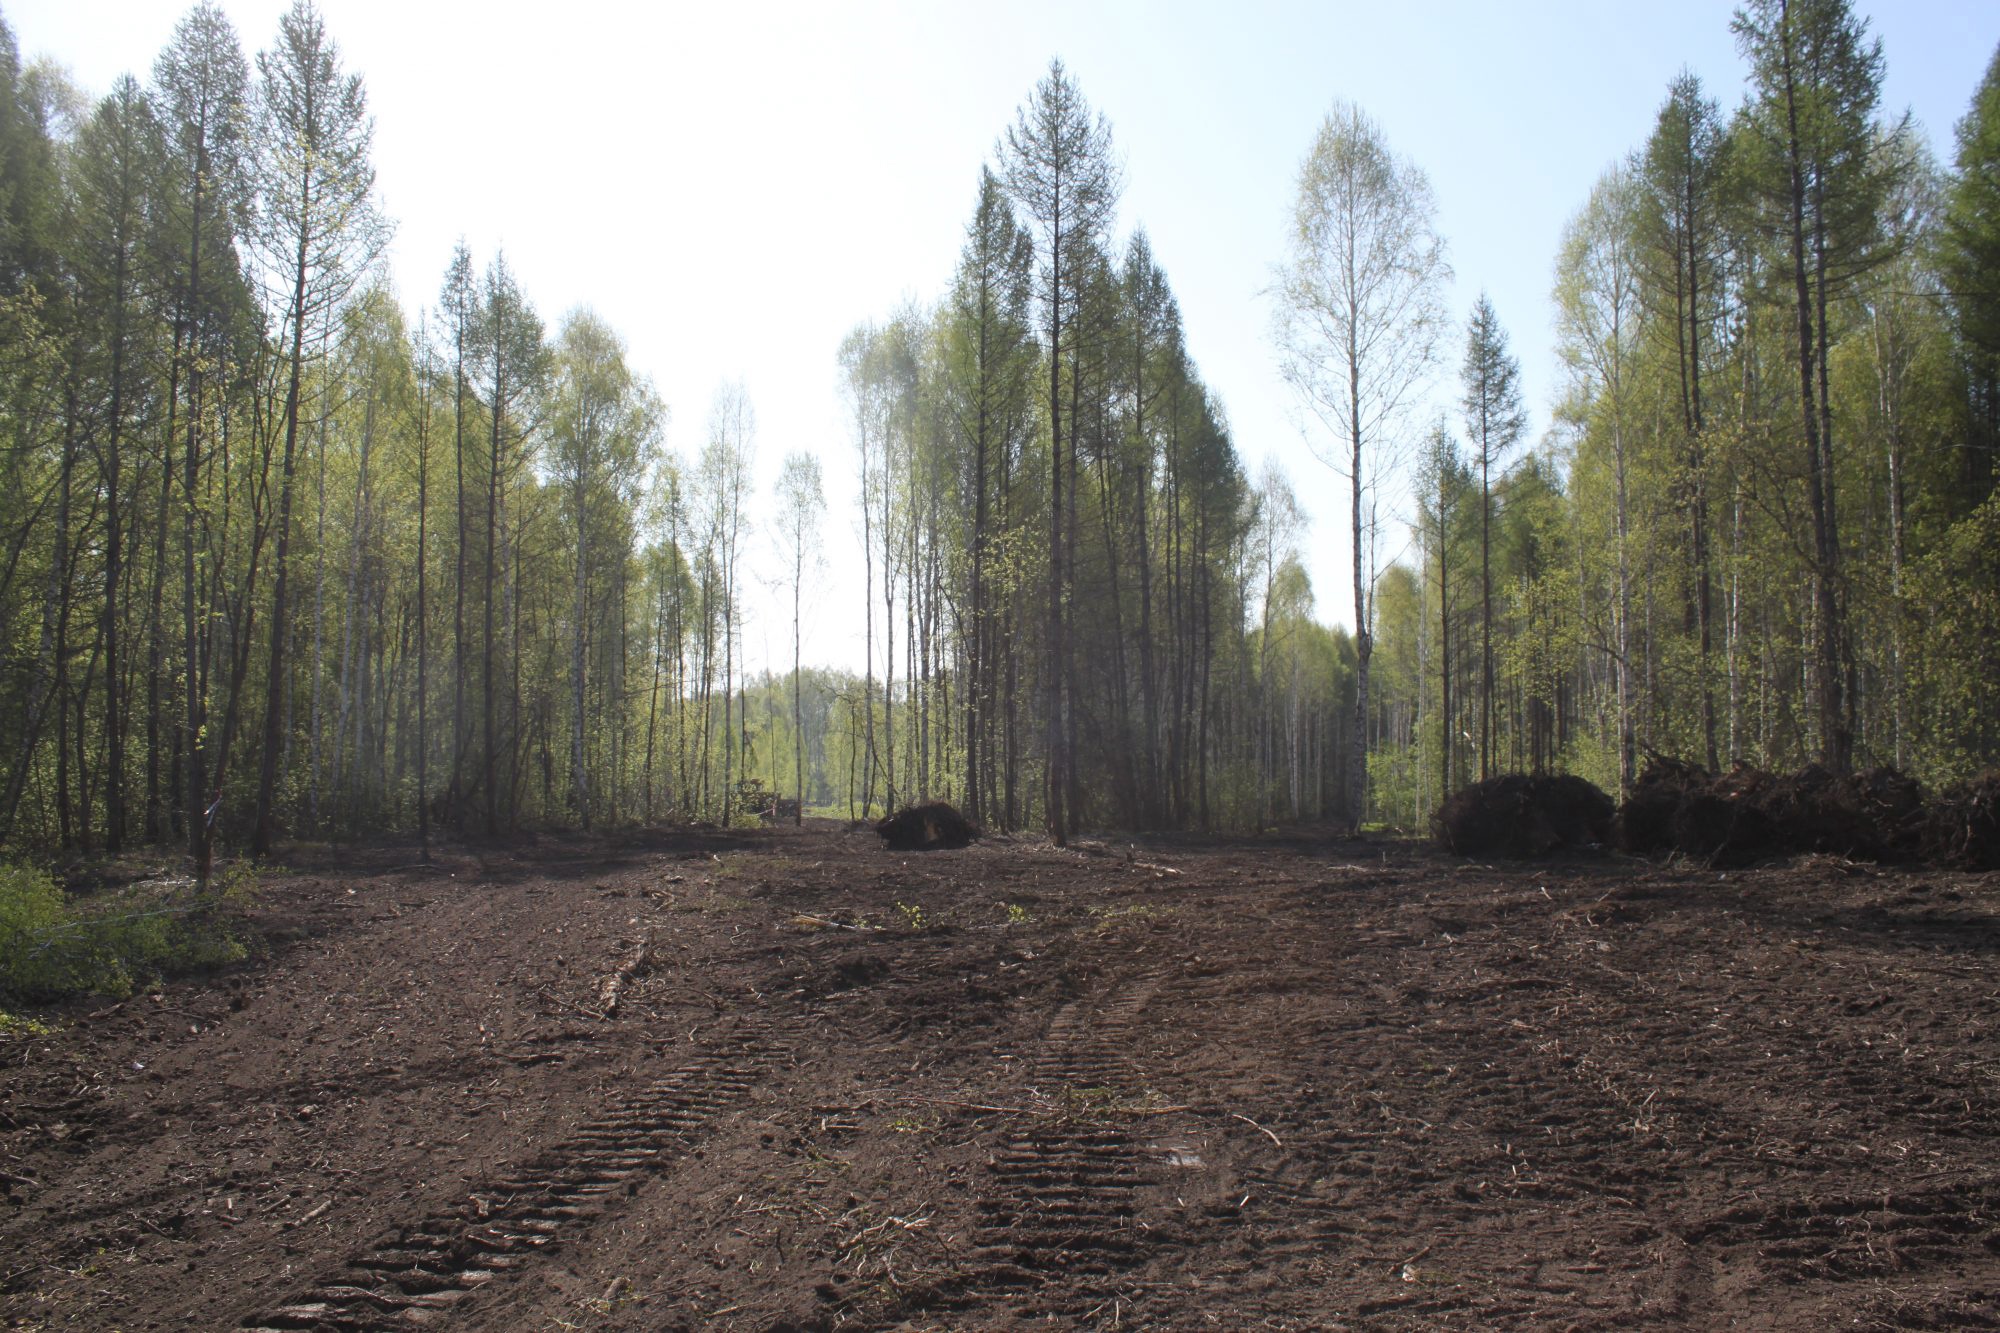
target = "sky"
x: 735, y: 187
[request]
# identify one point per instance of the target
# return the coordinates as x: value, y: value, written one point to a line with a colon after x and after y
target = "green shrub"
x: 51, y: 948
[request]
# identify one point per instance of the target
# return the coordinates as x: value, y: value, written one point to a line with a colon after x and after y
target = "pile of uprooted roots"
x: 1733, y: 818
x: 926, y: 827
x: 1749, y: 814
x: 1521, y: 815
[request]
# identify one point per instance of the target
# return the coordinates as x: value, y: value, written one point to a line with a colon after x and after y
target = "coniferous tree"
x: 1495, y: 420
x: 203, y: 83
x: 1816, y: 79
x: 319, y: 233
x: 1059, y: 170
x: 1682, y: 172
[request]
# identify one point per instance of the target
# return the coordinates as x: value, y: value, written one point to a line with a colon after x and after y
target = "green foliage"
x: 1075, y: 574
x: 1969, y: 256
x: 51, y: 947
x: 1954, y: 609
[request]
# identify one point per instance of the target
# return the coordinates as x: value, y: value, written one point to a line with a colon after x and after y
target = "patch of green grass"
x: 913, y: 916
x: 1017, y: 915
x: 1102, y: 1103
x: 1131, y: 913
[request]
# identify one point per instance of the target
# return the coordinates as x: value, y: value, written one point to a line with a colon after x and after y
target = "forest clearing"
x: 451, y: 656
x: 787, y: 1079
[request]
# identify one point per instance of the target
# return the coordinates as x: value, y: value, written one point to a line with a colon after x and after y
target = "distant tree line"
x: 280, y: 558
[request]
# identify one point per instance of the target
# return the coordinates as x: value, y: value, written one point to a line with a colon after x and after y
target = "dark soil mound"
x: 1749, y: 814
x: 926, y: 827
x: 1646, y: 820
x: 1518, y: 815
x: 1963, y: 827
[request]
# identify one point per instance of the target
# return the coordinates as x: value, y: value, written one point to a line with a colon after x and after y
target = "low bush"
x: 52, y: 947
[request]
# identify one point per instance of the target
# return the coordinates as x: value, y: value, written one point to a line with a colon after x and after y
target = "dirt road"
x: 792, y: 1081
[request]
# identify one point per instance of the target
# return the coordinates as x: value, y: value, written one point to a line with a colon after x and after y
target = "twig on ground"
x: 556, y: 999
x: 1402, y: 1264
x: 807, y: 919
x: 1259, y: 1128
x: 302, y: 1220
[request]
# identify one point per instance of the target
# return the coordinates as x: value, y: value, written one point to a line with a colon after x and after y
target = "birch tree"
x: 604, y: 421
x: 1597, y: 316
x: 1360, y: 319
x: 801, y: 505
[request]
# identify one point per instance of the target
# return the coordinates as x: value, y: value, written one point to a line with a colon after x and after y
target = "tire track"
x: 1059, y: 1221
x: 421, y: 1275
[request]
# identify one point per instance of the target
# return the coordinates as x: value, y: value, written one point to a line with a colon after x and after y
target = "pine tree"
x: 1059, y: 170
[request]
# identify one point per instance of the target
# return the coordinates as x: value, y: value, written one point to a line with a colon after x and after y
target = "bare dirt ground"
x: 792, y: 1081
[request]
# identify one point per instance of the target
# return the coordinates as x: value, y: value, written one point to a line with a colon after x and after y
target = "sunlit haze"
x: 735, y: 187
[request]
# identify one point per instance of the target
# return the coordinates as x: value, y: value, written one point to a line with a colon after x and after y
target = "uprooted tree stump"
x: 927, y: 827
x: 1521, y: 816
x: 1962, y: 828
x: 1747, y: 814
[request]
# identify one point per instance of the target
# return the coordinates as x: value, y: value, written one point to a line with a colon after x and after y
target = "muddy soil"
x: 794, y: 1081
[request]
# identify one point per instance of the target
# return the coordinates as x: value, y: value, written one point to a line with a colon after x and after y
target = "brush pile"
x: 1750, y: 814
x: 1963, y: 829
x: 1521, y: 816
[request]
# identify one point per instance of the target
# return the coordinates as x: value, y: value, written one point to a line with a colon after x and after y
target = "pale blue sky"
x: 736, y: 186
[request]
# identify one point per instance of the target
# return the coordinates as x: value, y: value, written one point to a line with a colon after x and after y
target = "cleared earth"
x: 792, y: 1081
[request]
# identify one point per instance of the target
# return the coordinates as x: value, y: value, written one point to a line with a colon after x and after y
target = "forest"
x: 283, y: 559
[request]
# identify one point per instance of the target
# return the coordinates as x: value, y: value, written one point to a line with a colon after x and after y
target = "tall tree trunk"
x: 267, y: 783
x: 1836, y: 741
x: 423, y: 618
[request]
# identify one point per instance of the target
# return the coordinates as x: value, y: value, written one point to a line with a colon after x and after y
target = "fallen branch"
x: 317, y: 1212
x: 807, y: 919
x: 614, y: 985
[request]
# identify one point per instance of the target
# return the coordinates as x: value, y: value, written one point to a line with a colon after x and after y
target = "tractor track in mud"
x: 424, y: 1272
x: 1058, y: 1206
